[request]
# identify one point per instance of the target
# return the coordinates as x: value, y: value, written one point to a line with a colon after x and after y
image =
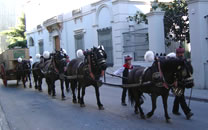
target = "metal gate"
x: 105, y: 39
x: 136, y: 42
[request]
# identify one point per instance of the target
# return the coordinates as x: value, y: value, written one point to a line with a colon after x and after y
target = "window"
x: 31, y: 42
x: 79, y: 42
x: 41, y: 48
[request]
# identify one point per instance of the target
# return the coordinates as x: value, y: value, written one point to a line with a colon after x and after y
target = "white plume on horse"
x: 149, y: 56
x: 172, y: 54
x: 46, y: 54
x: 64, y: 51
x: 102, y: 47
x: 31, y: 60
x: 37, y: 56
x: 79, y: 53
x: 19, y: 59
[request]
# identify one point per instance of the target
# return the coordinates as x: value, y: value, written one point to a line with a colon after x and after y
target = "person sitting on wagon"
x: 125, y: 71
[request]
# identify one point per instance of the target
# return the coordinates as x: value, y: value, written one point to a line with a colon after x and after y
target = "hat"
x: 180, y: 50
x: 128, y: 58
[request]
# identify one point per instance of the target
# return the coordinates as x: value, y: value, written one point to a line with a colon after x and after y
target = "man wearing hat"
x: 181, y: 99
x: 125, y: 70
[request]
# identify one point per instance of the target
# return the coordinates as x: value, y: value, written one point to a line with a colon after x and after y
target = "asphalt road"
x: 28, y: 109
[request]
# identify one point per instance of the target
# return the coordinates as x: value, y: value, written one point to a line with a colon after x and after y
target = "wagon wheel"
x: 3, y: 75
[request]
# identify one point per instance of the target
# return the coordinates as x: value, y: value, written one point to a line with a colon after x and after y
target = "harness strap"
x: 57, y: 71
x: 141, y: 77
x: 162, y: 76
x: 89, y: 67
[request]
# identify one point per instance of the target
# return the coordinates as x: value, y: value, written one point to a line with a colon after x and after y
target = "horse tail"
x: 131, y: 96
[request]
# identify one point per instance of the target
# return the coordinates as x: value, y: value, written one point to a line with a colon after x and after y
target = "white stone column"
x: 156, y: 31
x: 199, y: 43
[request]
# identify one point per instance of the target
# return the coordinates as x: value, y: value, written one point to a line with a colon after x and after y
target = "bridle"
x: 164, y: 82
x: 94, y: 62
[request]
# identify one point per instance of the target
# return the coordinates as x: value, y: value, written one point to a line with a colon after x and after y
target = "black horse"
x: 163, y: 76
x: 53, y: 70
x: 87, y: 72
x: 23, y: 70
x: 37, y: 73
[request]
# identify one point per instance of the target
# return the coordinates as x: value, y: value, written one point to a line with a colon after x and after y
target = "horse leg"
x: 100, y: 106
x: 165, y: 105
x: 49, y: 87
x: 67, y: 85
x: 35, y: 80
x: 82, y: 104
x: 30, y: 80
x: 154, y: 98
x: 138, y: 105
x: 24, y: 81
x: 53, y: 89
x: 136, y: 109
x: 62, y: 89
x: 79, y: 89
x: 73, y: 87
x: 17, y: 82
x: 40, y: 84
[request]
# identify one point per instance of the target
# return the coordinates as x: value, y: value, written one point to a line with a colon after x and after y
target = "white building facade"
x: 198, y: 16
x: 102, y: 22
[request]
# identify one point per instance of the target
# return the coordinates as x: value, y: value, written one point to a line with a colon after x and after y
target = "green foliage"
x: 22, y: 44
x: 138, y: 18
x: 16, y: 35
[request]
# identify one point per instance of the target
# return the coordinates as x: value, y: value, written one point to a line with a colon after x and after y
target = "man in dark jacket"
x: 181, y: 99
x: 125, y: 71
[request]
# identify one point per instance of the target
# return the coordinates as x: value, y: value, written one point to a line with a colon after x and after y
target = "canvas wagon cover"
x: 10, y: 56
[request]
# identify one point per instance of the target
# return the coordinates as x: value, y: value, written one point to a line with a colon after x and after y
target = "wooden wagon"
x: 8, y: 62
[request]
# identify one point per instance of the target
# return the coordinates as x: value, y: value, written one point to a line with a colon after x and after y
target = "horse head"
x: 184, y: 75
x: 98, y: 58
x: 59, y: 58
x: 177, y: 70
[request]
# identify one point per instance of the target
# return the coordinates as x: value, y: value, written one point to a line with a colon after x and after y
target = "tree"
x: 138, y: 18
x: 176, y: 21
x: 16, y: 35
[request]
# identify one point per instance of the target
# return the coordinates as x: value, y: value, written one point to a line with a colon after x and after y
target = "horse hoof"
x: 136, y: 112
x: 74, y: 101
x: 79, y: 101
x: 67, y: 90
x: 40, y: 90
x: 63, y: 99
x: 30, y: 86
x: 101, y: 108
x: 82, y: 105
x: 143, y: 116
x: 149, y: 115
x: 168, y: 120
